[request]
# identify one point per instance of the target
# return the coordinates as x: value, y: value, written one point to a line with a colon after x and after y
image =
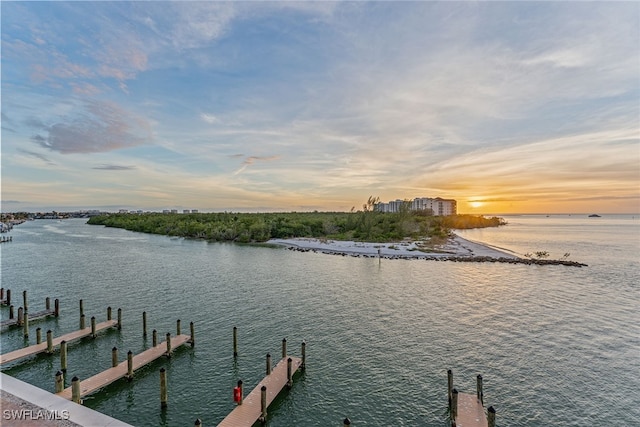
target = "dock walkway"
x: 470, y: 411
x: 113, y: 374
x: 42, y: 347
x: 250, y: 410
x: 35, y: 316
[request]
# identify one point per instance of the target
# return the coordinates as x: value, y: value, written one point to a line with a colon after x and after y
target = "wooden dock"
x: 16, y: 321
x: 113, y: 374
x: 250, y: 410
x: 470, y: 411
x: 42, y: 347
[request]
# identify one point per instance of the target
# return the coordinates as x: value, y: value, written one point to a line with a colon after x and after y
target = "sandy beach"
x: 455, y: 247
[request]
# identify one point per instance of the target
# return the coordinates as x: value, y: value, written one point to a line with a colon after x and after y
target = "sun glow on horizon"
x: 475, y: 204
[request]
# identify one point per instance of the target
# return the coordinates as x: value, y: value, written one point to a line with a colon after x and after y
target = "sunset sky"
x: 507, y: 107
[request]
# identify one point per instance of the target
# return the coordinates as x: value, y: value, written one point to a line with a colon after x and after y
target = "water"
x: 556, y: 345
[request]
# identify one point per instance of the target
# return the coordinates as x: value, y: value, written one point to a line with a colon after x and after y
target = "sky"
x: 506, y: 107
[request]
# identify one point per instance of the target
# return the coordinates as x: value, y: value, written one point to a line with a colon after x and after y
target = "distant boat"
x: 594, y: 216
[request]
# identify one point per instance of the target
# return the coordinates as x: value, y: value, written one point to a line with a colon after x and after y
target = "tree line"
x: 366, y: 225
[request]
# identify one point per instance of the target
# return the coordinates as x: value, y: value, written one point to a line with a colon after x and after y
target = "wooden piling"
x: 59, y: 381
x: 81, y: 308
x: 25, y: 324
x: 20, y: 316
x: 235, y: 341
x: 289, y: 377
x: 168, y: 344
x: 144, y: 323
x: 263, y: 404
x: 63, y: 356
x: 198, y: 423
x: 155, y: 338
x: 284, y: 348
x: 479, y: 393
x: 193, y: 334
x: 268, y: 363
x: 304, y: 355
x: 114, y: 357
x: 109, y: 313
x: 454, y: 406
x: 38, y: 335
x: 49, y: 341
x: 8, y: 296
x: 129, y: 365
x: 75, y: 390
x: 491, y: 417
x: 11, y: 313
x: 47, y: 303
x: 163, y: 388
x: 93, y: 326
x: 119, y: 318
x: 178, y: 328
x: 241, y: 392
x: 56, y: 307
x: 24, y: 300
x: 449, y: 387
x: 346, y: 422
x: 1, y: 294
x: 82, y: 325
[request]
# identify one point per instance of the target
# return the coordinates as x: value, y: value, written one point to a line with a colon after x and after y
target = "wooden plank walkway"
x: 470, y: 411
x: 111, y: 375
x: 42, y: 347
x: 250, y: 411
x: 35, y: 316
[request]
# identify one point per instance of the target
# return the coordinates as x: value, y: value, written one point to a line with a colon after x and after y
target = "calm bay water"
x: 556, y: 345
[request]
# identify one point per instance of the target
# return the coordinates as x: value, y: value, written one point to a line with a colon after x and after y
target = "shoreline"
x: 456, y: 246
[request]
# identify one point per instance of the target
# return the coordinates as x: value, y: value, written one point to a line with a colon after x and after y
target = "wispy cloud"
x: 114, y: 167
x: 252, y: 159
x: 39, y: 156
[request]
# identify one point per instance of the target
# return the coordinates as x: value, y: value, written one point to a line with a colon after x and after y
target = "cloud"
x: 99, y: 127
x: 36, y: 155
x: 209, y: 118
x: 252, y: 159
x: 114, y: 167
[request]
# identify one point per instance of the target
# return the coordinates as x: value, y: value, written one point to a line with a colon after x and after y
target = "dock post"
x: 198, y: 423
x: 8, y: 296
x: 25, y: 324
x: 454, y: 406
x: 193, y: 334
x: 24, y: 299
x: 241, y: 393
x: 11, y: 313
x: 289, y: 373
x: 479, y: 393
x: 82, y: 323
x: 47, y: 303
x: 284, y: 348
x: 109, y: 313
x: 49, y: 341
x: 346, y: 422
x: 2, y: 294
x: 155, y: 338
x: 75, y: 390
x: 81, y: 308
x: 59, y: 382
x: 144, y: 323
x: 63, y: 356
x: 129, y: 365
x: 56, y: 307
x: 20, y: 316
x: 268, y: 363
x: 450, y: 386
x: 304, y: 356
x: 263, y: 404
x: 178, y: 329
x: 93, y: 326
x: 119, y: 318
x: 163, y: 388
x: 38, y: 335
x: 235, y: 341
x: 168, y: 344
x: 491, y: 417
x: 114, y: 357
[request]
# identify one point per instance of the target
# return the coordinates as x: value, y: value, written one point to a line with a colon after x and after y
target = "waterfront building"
x: 438, y: 206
